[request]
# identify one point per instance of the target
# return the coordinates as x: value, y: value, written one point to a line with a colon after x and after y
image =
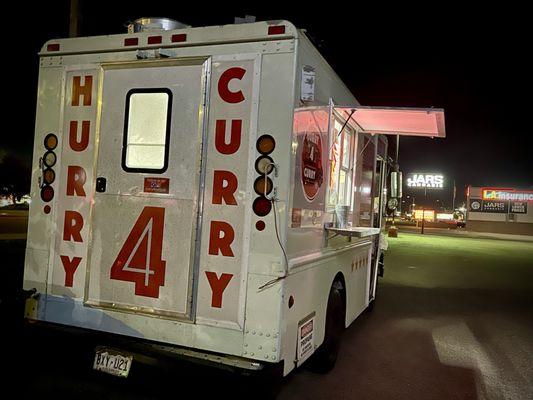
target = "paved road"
x: 13, y: 224
x: 453, y: 320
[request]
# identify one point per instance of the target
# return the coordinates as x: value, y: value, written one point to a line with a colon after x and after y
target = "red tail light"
x: 47, y: 193
x: 52, y: 47
x: 276, y: 29
x: 131, y: 41
x: 262, y: 206
x: 155, y: 39
x: 179, y: 37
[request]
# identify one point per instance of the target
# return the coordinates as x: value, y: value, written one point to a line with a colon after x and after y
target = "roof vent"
x: 248, y: 19
x: 155, y: 24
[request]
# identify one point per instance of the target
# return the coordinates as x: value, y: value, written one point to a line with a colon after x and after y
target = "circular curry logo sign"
x: 312, y: 173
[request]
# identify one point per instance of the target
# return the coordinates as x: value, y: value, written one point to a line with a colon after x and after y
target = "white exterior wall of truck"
x: 154, y: 235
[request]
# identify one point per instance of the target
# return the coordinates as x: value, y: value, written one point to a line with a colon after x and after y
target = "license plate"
x: 111, y: 362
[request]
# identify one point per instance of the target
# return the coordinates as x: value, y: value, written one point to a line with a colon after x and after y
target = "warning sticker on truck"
x: 306, y: 337
x: 156, y: 185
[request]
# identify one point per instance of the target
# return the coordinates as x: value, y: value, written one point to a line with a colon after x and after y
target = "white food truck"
x: 213, y: 192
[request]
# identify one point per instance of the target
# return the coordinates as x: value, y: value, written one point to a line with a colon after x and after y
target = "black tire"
x: 325, y: 357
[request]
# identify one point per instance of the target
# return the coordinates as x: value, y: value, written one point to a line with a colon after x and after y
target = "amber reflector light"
x: 50, y: 141
x: 49, y: 176
x: 265, y: 144
x: 263, y: 186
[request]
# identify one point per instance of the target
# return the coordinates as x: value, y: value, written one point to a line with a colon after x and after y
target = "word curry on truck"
x: 216, y: 192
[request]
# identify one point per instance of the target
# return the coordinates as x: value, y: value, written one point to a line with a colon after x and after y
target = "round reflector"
x: 50, y: 141
x: 263, y: 186
x: 49, y: 176
x: 260, y: 225
x: 49, y: 158
x: 262, y: 206
x: 265, y: 144
x: 264, y: 165
x: 47, y: 193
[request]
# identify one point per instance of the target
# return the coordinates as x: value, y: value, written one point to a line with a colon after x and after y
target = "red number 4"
x: 139, y: 260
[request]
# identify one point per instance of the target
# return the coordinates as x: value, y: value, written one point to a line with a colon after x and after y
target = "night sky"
x: 474, y: 63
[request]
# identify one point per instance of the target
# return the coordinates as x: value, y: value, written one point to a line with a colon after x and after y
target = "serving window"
x: 341, y: 164
x: 364, y: 178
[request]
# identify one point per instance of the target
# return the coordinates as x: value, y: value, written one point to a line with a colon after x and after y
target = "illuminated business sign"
x: 425, y: 181
x: 429, y: 215
x: 518, y: 207
x: 491, y: 206
x: 507, y: 194
x: 498, y: 206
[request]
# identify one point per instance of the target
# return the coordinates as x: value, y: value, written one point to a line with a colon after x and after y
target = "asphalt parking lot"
x: 453, y: 320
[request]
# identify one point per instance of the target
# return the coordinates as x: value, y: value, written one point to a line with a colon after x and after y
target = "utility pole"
x: 424, y: 210
x: 453, y: 202
x: 397, y: 169
x: 75, y: 19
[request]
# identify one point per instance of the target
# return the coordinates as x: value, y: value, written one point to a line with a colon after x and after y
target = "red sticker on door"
x: 156, y: 185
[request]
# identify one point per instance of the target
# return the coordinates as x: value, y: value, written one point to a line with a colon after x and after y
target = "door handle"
x: 101, y: 184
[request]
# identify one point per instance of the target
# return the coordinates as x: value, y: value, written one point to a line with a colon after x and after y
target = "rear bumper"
x: 83, y: 342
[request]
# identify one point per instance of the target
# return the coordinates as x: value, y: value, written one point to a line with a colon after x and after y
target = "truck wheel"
x: 324, y: 359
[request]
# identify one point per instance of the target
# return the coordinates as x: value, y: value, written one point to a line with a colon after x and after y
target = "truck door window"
x: 146, y: 130
x: 364, y: 178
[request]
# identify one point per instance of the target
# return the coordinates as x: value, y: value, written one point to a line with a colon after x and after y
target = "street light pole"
x: 423, y: 210
x: 454, y: 191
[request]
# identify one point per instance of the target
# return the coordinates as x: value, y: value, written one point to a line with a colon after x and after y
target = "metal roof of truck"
x: 219, y: 34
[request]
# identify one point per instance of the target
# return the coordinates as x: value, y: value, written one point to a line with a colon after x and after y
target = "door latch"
x: 101, y: 184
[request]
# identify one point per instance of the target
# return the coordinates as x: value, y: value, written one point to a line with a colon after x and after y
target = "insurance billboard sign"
x: 507, y: 194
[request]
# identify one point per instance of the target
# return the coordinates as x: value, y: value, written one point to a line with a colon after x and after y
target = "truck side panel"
x: 315, y: 262
x: 40, y: 229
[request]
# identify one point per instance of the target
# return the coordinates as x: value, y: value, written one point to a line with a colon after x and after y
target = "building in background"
x: 500, y: 210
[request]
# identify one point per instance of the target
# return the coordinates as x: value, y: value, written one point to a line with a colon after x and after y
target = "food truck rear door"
x: 144, y: 213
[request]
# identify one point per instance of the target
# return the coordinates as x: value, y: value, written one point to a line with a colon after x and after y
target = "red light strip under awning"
x: 427, y: 122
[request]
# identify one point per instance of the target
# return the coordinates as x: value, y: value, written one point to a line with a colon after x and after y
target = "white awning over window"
x: 427, y: 122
